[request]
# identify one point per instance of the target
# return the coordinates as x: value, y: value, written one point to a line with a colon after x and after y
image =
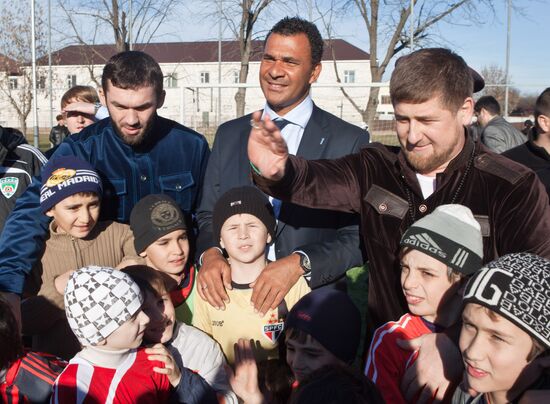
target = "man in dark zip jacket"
x: 135, y: 152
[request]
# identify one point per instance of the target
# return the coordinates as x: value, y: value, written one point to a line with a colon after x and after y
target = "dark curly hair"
x: 132, y: 70
x: 289, y: 26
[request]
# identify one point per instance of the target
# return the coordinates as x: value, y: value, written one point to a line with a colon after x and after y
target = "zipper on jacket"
x: 77, y: 253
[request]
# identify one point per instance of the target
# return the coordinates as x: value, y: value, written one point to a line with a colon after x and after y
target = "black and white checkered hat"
x: 516, y: 286
x: 98, y: 300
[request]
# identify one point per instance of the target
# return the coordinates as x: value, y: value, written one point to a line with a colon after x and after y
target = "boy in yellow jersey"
x: 244, y: 225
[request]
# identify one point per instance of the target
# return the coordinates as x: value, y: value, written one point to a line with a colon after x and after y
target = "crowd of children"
x: 117, y: 302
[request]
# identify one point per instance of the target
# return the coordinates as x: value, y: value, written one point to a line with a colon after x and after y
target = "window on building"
x: 13, y: 83
x: 71, y: 80
x: 235, y: 76
x: 349, y: 76
x: 205, y: 77
x: 386, y: 99
x: 171, y: 81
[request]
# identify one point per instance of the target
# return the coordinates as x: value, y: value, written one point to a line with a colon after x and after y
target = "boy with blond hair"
x: 244, y: 225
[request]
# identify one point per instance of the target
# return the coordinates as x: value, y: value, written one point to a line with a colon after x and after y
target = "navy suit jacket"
x: 330, y: 239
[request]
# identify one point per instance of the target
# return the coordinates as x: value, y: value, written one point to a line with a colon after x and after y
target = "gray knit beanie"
x: 153, y: 217
x: 449, y: 234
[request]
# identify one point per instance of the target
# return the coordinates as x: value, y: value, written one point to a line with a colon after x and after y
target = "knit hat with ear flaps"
x: 516, y: 286
x: 153, y: 217
x: 240, y: 200
x: 449, y: 234
x: 98, y: 300
x: 64, y: 176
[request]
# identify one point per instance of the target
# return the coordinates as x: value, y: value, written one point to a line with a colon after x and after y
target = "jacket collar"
x: 104, y: 358
x: 316, y: 136
x: 461, y: 160
x: 61, y: 240
x: 299, y: 115
x: 459, y: 163
x: 537, y: 150
x: 159, y: 129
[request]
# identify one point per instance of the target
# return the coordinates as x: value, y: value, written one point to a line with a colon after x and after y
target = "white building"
x: 192, y: 72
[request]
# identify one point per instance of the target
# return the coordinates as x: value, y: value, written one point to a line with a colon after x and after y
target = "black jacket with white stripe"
x: 19, y: 162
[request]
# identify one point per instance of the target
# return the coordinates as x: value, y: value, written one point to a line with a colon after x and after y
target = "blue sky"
x: 480, y: 44
x: 529, y: 49
x: 485, y: 44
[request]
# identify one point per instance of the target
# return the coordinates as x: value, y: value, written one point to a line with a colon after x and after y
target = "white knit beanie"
x: 98, y: 300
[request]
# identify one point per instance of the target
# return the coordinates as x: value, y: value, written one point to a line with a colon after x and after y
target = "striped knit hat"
x: 449, y: 234
x: 64, y: 176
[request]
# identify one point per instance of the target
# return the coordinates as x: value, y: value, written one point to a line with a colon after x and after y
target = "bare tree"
x: 15, y: 70
x: 241, y: 17
x: 388, y: 27
x: 91, y: 22
x: 526, y: 104
x: 495, y: 85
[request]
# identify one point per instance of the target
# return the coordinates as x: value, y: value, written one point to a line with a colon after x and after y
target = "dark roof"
x: 188, y: 52
x: 9, y: 65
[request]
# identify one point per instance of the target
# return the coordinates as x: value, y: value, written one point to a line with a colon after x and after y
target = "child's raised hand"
x: 158, y: 352
x: 244, y: 381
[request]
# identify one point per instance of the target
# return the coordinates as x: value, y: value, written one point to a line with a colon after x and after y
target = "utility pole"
x: 34, y: 93
x: 50, y: 60
x: 508, y: 30
x: 219, y: 63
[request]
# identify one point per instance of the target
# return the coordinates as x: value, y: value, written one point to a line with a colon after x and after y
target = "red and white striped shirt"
x: 132, y: 381
x: 386, y: 361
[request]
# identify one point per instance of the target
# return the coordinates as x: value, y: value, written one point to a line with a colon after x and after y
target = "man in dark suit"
x: 318, y: 244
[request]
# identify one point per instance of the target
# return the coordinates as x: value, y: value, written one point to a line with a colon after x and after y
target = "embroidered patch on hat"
x: 165, y: 214
x: 65, y: 176
x: 60, y: 175
x: 8, y: 186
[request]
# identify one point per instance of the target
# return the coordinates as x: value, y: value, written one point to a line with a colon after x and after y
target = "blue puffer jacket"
x: 173, y: 163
